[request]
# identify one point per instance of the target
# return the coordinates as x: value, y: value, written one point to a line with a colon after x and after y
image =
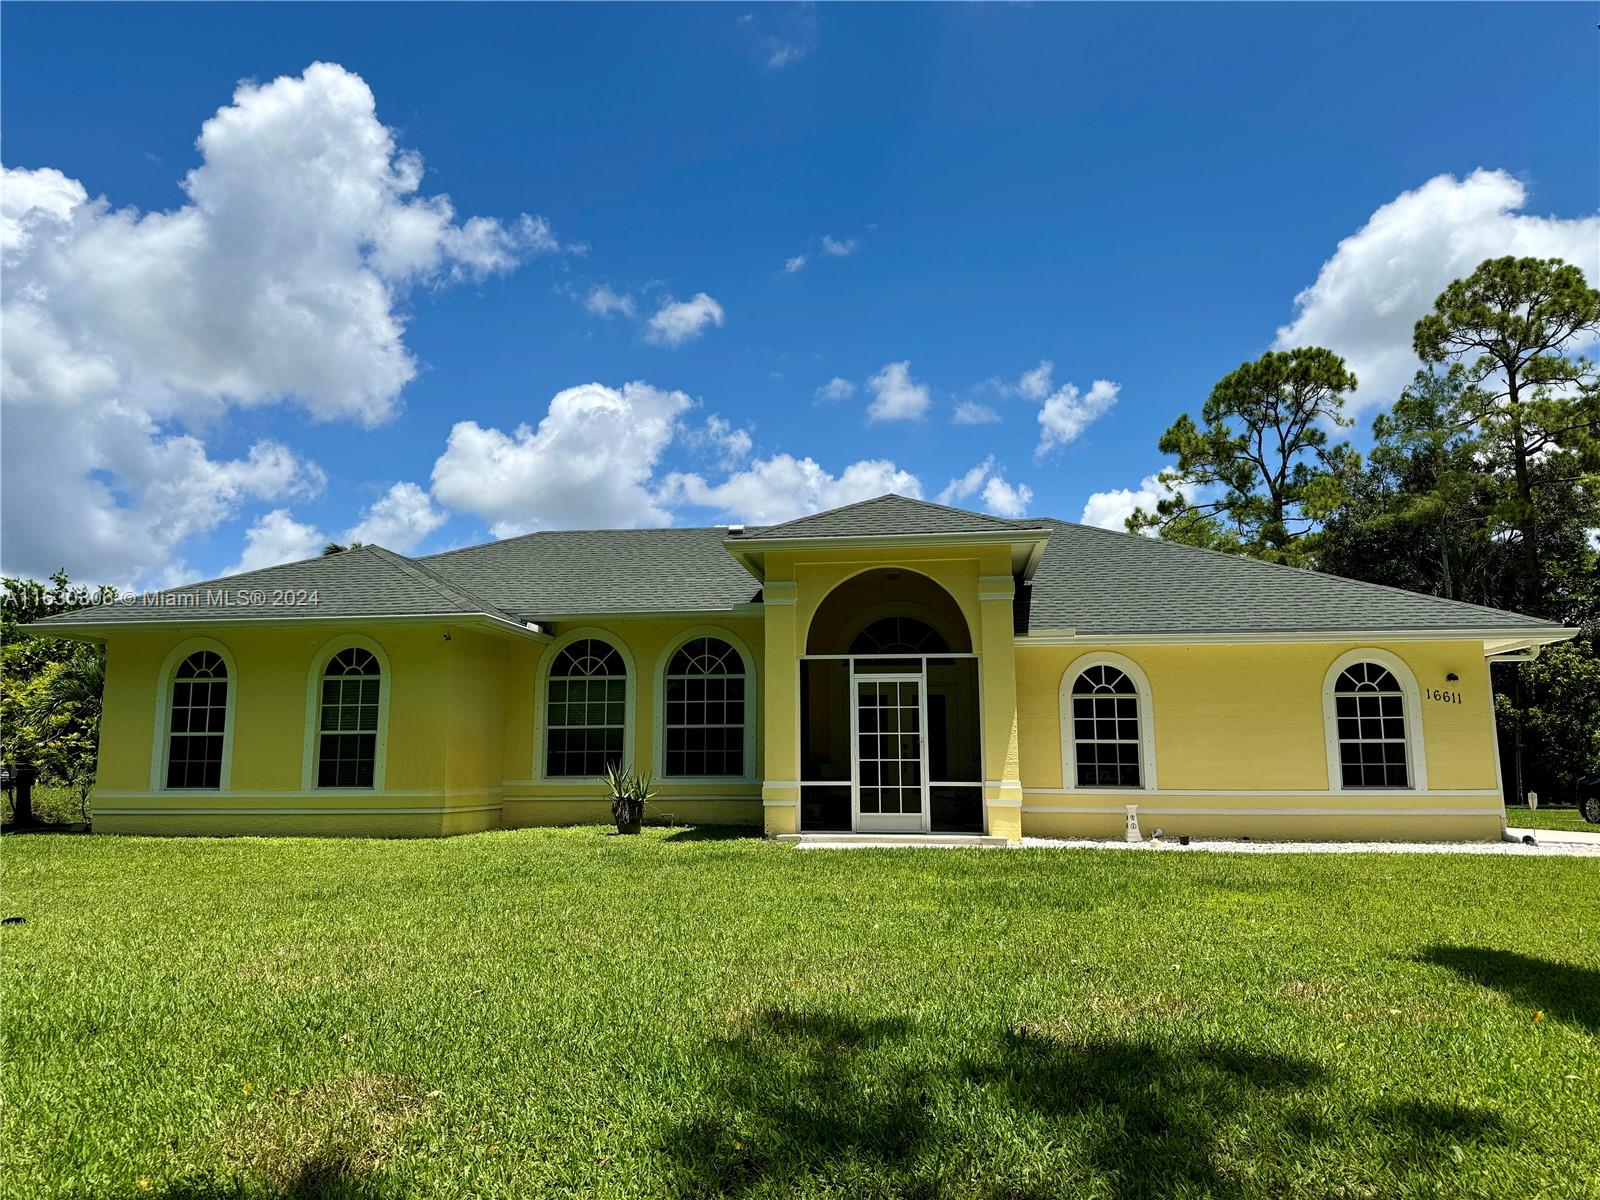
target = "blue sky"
x: 302, y: 348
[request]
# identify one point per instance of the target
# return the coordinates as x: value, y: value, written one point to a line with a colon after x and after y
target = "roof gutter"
x: 1495, y: 641
x: 747, y: 610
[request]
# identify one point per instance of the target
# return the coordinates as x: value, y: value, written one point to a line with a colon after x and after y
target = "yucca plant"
x: 629, y: 790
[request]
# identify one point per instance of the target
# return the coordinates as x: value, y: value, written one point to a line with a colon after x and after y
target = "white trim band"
x: 430, y: 811
x: 1373, y: 793
x: 1148, y: 811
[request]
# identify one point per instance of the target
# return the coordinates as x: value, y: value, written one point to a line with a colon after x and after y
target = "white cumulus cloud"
x: 1036, y: 384
x: 1003, y: 500
x: 727, y: 444
x: 895, y: 395
x: 1067, y: 412
x: 278, y: 279
x: 797, y: 263
x: 588, y: 464
x: 398, y: 519
x: 999, y: 497
x: 603, y: 301
x: 838, y: 247
x: 783, y: 487
x: 836, y: 389
x: 680, y: 321
x: 276, y: 537
x: 971, y: 412
x: 1111, y: 510
x: 1386, y: 275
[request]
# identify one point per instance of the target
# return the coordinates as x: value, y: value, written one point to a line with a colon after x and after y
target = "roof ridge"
x: 1310, y: 572
x: 535, y: 533
x: 439, y: 583
x: 988, y: 518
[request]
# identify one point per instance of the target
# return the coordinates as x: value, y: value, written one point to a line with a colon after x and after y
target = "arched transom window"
x: 899, y: 635
x: 347, y: 723
x: 587, y: 709
x: 1370, y: 708
x: 197, y: 721
x: 705, y: 718
x: 1105, y: 728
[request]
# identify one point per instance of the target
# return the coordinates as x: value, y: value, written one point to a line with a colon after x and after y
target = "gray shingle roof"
x: 1091, y: 581
x: 888, y: 516
x: 1098, y: 582
x: 369, y: 581
x: 561, y: 573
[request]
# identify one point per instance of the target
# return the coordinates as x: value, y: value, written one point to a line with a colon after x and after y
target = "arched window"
x: 586, y: 710
x: 899, y: 635
x: 1107, y: 742
x: 1369, y: 707
x: 347, y: 723
x: 197, y: 722
x: 705, y: 710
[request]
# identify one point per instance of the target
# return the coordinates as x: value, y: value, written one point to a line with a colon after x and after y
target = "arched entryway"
x: 890, y: 735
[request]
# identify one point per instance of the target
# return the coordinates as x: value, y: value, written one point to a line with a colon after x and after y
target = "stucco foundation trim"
x: 429, y: 810
x: 1135, y: 794
x: 1165, y: 811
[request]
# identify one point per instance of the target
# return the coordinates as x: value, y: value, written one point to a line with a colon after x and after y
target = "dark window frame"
x: 197, y: 722
x: 588, y: 673
x: 349, y: 714
x: 1372, y: 728
x: 706, y: 677
x: 1107, y: 730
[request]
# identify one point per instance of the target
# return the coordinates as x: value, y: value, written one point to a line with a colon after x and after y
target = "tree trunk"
x: 22, y: 797
x: 1528, y: 524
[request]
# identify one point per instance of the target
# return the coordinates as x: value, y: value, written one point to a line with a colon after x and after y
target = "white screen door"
x: 891, y: 772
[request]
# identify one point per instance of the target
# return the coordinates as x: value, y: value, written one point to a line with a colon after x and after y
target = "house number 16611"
x: 1443, y: 696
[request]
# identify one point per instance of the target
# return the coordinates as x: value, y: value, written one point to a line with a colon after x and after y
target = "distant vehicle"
x: 1589, y: 798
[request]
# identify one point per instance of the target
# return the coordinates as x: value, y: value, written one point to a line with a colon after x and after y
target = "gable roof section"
x: 541, y: 576
x: 887, y: 516
x: 366, y: 582
x: 1096, y: 582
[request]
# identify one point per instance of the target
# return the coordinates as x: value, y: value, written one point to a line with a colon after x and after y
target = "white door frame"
x: 920, y: 679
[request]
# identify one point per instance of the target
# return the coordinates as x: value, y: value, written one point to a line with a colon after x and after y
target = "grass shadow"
x: 330, y: 1178
x: 1153, y: 1117
x: 790, y: 1099
x: 801, y: 1101
x: 1563, y: 991
x: 330, y: 1140
x: 713, y: 833
x: 805, y: 1100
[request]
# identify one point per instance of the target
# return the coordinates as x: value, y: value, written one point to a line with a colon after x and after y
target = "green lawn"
x: 56, y: 803
x: 1549, y: 818
x: 569, y: 1013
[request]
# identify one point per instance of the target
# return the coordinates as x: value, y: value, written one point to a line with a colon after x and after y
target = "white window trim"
x: 1147, y: 721
x: 1416, y: 760
x: 752, y: 706
x: 163, y: 722
x: 541, y: 707
x: 319, y: 663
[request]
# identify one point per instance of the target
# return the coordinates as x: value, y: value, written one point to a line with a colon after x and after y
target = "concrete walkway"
x: 1554, y: 836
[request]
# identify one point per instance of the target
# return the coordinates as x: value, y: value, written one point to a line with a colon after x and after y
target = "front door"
x: 891, y: 775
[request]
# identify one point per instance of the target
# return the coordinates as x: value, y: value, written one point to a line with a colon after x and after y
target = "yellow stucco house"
x: 892, y: 667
